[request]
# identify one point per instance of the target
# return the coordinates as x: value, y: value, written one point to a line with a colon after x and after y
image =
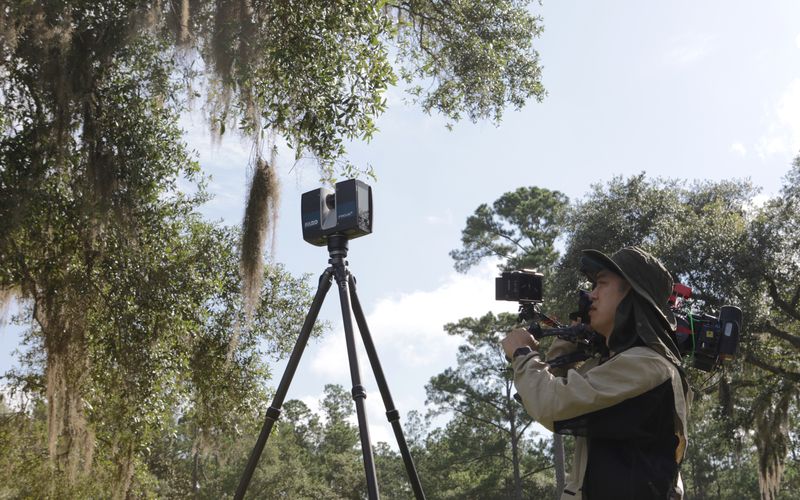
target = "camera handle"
x: 337, y: 248
x: 589, y: 343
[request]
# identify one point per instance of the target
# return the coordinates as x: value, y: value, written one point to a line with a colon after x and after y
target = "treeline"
x: 144, y: 372
x: 175, y: 412
x: 728, y: 244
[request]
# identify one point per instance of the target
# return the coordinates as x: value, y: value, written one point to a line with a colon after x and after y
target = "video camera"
x: 709, y: 340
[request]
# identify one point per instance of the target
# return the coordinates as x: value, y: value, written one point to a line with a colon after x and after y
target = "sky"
x: 684, y: 89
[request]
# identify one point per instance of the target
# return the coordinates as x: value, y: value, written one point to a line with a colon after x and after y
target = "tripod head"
x: 338, y: 246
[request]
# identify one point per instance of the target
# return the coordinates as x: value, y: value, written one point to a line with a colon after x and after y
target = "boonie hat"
x: 646, y: 274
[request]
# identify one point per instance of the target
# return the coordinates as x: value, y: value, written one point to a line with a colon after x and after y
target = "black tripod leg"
x: 274, y: 411
x: 391, y: 413
x: 359, y: 393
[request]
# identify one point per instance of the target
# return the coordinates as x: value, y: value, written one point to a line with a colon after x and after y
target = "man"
x: 629, y: 410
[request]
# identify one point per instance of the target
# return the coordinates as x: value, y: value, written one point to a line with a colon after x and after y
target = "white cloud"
x: 783, y: 133
x: 444, y: 219
x: 410, y: 325
x: 738, y: 148
x: 394, y: 96
x: 797, y: 41
x: 760, y: 200
x: 688, y: 49
x: 314, y: 403
x: 411, y: 344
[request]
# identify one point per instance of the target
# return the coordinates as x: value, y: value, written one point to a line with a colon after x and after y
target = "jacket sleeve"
x: 561, y: 347
x: 548, y: 398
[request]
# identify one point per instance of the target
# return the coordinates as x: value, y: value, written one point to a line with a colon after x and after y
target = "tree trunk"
x: 514, y: 447
x: 558, y: 459
x: 70, y: 439
x: 124, y: 472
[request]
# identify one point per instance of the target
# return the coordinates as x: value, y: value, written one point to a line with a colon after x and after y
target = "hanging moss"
x: 772, y: 437
x: 259, y: 221
x: 84, y: 84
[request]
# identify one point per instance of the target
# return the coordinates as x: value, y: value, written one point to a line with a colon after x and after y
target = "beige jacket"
x: 549, y: 398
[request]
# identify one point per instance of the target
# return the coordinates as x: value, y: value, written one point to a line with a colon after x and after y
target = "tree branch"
x: 752, y: 359
x: 788, y: 337
x: 500, y: 408
x: 537, y: 470
x: 782, y: 304
x: 515, y: 242
x: 478, y: 458
x: 525, y: 427
x: 479, y: 419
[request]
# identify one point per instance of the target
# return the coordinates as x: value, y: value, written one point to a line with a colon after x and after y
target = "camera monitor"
x: 519, y: 286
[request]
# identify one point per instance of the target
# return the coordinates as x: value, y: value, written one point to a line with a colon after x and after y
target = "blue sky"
x: 689, y: 90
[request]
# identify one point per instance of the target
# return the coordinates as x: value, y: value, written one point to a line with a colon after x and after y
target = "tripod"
x: 337, y: 249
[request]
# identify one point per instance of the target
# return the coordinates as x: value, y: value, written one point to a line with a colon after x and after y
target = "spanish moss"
x: 258, y: 224
x: 772, y: 438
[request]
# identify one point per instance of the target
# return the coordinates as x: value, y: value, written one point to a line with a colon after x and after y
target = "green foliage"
x: 308, y: 456
x: 477, y: 56
x: 482, y: 452
x: 136, y: 300
x: 520, y: 228
x: 140, y: 351
x: 712, y: 237
x: 314, y: 72
x: 717, y: 463
x: 696, y: 230
x: 166, y: 344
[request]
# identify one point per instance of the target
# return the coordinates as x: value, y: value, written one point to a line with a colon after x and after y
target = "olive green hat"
x: 646, y: 274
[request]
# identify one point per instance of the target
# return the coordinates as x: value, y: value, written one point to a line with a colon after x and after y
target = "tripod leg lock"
x: 359, y: 392
x: 273, y: 413
x: 393, y: 415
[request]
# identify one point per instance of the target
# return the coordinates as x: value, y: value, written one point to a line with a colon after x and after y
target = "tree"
x: 163, y: 340
x: 314, y: 456
x: 81, y: 225
x: 774, y: 244
x: 313, y: 73
x: 136, y: 300
x: 697, y: 231
x: 487, y: 433
x: 91, y: 92
x: 712, y: 238
x: 520, y: 228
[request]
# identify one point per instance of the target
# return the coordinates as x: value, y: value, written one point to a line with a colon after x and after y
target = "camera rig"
x: 709, y: 341
x: 525, y: 287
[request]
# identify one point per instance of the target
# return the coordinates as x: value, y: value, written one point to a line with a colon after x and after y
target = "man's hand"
x: 518, y: 338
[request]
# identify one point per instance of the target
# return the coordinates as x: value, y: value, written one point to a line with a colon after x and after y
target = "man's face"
x: 609, y: 290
